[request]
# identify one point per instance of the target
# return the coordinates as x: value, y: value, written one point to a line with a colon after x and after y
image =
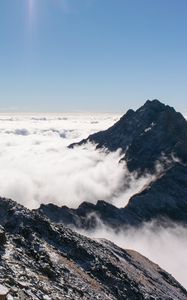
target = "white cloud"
x: 37, y: 167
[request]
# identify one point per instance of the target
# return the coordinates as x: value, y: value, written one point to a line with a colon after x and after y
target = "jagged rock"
x: 144, y: 135
x: 82, y: 268
x: 87, y: 215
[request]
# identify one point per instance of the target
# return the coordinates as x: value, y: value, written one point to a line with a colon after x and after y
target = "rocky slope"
x: 41, y: 260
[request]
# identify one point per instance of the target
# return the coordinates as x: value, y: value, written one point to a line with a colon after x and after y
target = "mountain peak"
x: 154, y: 102
x: 155, y: 105
x: 145, y: 135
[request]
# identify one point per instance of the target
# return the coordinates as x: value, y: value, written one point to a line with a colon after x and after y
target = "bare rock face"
x: 43, y: 260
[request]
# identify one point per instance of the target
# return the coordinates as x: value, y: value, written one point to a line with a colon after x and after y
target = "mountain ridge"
x: 42, y: 260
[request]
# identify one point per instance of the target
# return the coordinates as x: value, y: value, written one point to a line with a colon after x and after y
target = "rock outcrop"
x: 43, y: 260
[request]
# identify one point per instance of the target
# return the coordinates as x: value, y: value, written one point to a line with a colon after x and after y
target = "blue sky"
x: 92, y: 55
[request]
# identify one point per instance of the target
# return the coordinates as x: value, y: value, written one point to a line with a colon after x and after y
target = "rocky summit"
x: 43, y: 260
x: 155, y: 132
x: 145, y: 135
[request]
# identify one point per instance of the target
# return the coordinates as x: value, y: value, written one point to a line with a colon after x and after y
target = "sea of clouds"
x: 37, y: 167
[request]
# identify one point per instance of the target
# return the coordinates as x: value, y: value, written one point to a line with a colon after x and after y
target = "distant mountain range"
x: 154, y: 133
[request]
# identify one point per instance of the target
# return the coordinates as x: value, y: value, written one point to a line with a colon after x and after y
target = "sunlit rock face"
x: 41, y: 260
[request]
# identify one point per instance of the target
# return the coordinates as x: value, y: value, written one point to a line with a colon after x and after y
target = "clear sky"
x: 92, y: 55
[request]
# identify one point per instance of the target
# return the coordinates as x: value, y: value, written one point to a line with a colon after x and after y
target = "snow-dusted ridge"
x: 41, y: 260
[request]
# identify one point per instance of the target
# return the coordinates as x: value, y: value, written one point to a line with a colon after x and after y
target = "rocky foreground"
x: 41, y: 260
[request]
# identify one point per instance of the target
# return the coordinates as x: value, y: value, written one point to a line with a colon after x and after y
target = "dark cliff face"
x: 41, y: 260
x: 145, y: 135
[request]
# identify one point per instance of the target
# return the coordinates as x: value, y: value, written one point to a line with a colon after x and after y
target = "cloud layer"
x: 37, y: 167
